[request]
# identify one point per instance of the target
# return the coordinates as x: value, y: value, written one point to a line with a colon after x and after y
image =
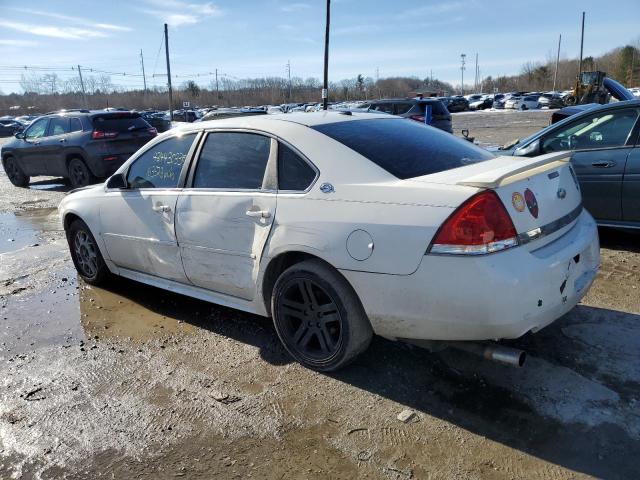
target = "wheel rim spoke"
x: 312, y: 324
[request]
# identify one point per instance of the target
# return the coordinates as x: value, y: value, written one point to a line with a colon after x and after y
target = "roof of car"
x: 309, y: 119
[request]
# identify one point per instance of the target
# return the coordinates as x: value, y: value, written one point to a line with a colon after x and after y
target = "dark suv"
x: 415, y: 109
x: 79, y: 145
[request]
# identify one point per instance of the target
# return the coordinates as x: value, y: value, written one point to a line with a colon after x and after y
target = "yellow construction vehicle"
x: 589, y: 89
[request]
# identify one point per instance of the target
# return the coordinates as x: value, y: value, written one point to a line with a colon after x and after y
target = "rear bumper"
x: 503, y: 295
x: 105, y: 165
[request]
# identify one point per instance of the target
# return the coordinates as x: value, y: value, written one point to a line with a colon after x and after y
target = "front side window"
x: 234, y: 160
x: 160, y: 166
x: 600, y: 130
x: 293, y: 172
x: 58, y: 126
x: 37, y: 129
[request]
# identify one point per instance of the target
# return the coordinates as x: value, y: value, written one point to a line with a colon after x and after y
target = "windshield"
x: 404, y: 148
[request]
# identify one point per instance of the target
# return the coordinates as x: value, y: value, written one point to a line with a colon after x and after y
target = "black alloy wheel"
x: 318, y: 316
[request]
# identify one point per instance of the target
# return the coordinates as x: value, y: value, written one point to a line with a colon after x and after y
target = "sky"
x: 256, y: 38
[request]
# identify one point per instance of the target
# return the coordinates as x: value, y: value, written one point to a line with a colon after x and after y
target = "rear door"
x: 601, y: 143
x: 54, y: 144
x: 137, y: 223
x: 225, y: 215
x: 631, y: 187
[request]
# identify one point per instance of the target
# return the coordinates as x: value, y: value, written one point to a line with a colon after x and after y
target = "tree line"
x: 49, y: 92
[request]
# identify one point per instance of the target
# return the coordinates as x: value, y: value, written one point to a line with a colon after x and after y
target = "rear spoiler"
x: 521, y: 168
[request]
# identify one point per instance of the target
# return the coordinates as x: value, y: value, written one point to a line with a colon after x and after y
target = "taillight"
x: 417, y: 118
x: 99, y: 134
x: 152, y: 131
x: 480, y: 225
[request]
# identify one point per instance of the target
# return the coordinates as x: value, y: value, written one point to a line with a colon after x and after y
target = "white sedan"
x: 528, y: 102
x: 339, y: 225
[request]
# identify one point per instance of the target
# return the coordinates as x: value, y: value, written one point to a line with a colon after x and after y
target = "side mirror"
x: 117, y: 182
x: 532, y: 150
x: 19, y: 135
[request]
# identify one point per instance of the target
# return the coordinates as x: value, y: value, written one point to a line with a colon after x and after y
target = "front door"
x: 137, y: 223
x: 224, y: 218
x: 31, y: 150
x: 601, y: 142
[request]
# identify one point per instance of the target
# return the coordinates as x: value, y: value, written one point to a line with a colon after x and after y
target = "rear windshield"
x: 404, y: 148
x: 119, y: 122
x: 437, y: 108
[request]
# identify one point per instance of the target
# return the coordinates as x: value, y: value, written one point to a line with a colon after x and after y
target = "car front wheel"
x: 15, y: 173
x: 318, y: 316
x: 85, y: 253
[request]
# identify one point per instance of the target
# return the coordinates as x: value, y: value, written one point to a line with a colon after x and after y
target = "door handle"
x: 62, y: 140
x: 259, y: 213
x: 36, y: 143
x: 161, y: 208
x: 603, y: 164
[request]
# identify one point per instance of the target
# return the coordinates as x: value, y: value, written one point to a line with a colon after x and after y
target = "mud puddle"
x: 21, y: 229
x: 69, y: 312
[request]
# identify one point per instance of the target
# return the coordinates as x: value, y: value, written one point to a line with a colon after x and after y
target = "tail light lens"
x: 417, y: 118
x: 479, y: 226
x: 152, y: 131
x: 99, y: 134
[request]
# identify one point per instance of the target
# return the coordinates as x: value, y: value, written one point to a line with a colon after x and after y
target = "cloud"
x: 295, y: 7
x: 178, y: 12
x: 434, y: 9
x: 52, y: 31
x: 77, y: 20
x: 17, y: 43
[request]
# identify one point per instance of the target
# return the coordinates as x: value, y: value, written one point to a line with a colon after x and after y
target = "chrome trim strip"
x: 549, y: 228
x: 216, y: 250
x: 141, y: 239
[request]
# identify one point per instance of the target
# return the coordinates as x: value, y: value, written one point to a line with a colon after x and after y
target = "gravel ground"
x: 134, y: 382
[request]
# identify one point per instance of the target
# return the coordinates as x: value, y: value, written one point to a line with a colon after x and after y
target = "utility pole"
x: 217, y: 90
x: 555, y: 75
x: 84, y: 94
x: 463, y: 56
x: 475, y: 84
x: 144, y: 77
x: 325, y: 87
x: 581, y: 46
x: 289, y: 74
x: 166, y: 48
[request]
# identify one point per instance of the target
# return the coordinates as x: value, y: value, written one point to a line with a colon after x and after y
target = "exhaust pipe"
x: 494, y: 352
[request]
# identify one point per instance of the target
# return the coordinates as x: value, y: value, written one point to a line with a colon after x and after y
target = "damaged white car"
x: 339, y: 225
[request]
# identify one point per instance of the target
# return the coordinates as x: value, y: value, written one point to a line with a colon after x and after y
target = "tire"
x: 15, y: 173
x: 318, y: 316
x: 85, y: 253
x: 79, y: 173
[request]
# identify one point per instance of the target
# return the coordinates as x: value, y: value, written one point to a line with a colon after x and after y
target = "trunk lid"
x: 541, y: 194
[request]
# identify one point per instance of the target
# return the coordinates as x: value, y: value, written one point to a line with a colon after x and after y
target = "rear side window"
x: 58, y: 126
x: 404, y: 148
x: 293, y: 172
x: 382, y: 107
x: 402, y: 108
x: 76, y: 125
x: 119, y: 123
x: 160, y: 166
x: 232, y: 160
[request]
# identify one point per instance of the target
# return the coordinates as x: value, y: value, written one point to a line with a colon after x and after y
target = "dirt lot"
x: 134, y: 382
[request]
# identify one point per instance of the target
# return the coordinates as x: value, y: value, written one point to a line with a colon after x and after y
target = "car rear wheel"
x: 79, y: 174
x: 85, y: 253
x: 15, y: 173
x: 318, y: 316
